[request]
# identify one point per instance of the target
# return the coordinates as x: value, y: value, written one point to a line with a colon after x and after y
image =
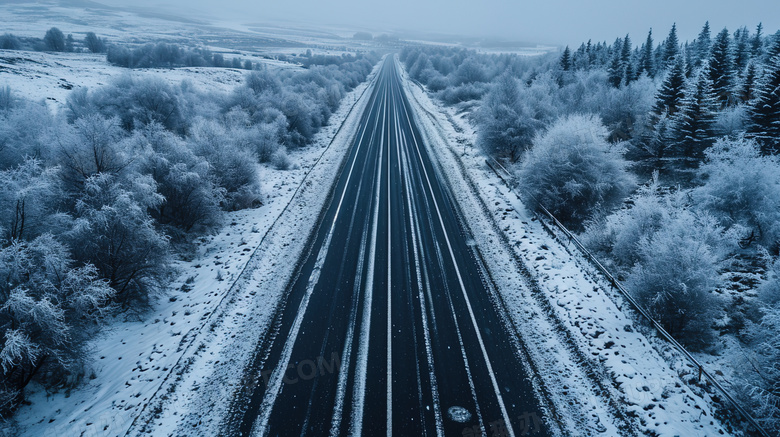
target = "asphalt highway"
x: 389, y: 327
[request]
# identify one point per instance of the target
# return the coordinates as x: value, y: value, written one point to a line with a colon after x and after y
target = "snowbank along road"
x: 388, y: 326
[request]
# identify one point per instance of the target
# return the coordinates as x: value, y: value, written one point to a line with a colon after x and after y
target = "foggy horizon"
x: 557, y: 22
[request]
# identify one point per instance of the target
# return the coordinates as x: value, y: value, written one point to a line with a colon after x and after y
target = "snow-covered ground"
x: 50, y: 77
x: 601, y: 373
x: 155, y: 370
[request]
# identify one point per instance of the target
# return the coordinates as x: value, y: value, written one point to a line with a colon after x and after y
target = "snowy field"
x: 50, y: 77
x: 602, y: 374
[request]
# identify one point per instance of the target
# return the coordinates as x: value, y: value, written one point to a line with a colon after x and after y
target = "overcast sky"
x: 558, y: 22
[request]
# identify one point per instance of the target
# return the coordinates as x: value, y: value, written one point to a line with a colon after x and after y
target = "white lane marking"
x: 277, y: 376
x: 389, y: 426
x: 463, y: 288
x: 358, y: 401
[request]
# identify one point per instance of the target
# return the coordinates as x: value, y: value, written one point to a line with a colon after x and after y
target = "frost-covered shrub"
x: 54, y: 40
x: 262, y: 81
x: 266, y: 141
x: 572, y: 169
x: 759, y: 388
x: 191, y: 196
x: 49, y: 306
x: 89, y: 147
x: 742, y: 187
x: 280, y: 160
x: 465, y: 92
x: 114, y: 231
x: 93, y: 43
x: 29, y: 199
x: 303, y: 118
x: 158, y: 55
x: 10, y: 42
x: 235, y: 169
x: 675, y: 276
x: 731, y: 121
x: 27, y: 130
x: 506, y: 127
x: 135, y: 102
x: 617, y: 236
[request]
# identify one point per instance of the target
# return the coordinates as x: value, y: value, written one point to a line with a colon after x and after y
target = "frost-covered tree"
x: 470, y: 71
x: 616, y: 71
x: 135, y: 102
x: 671, y: 47
x: 27, y: 130
x: 566, y: 59
x: 742, y: 189
x: 702, y: 45
x: 675, y: 277
x: 49, y: 308
x: 646, y: 64
x: 672, y: 90
x: 757, y: 42
x: 54, y: 40
x: 617, y: 236
x: 114, y: 231
x: 572, y: 169
x: 694, y: 124
x: 721, y: 68
x: 746, y: 90
x: 191, y: 196
x: 505, y: 129
x: 741, y: 49
x: 765, y: 110
x: 93, y: 43
x: 661, y: 138
x: 234, y: 168
x: 29, y: 199
x: 91, y: 147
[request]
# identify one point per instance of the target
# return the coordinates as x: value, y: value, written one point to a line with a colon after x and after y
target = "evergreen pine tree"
x: 659, y: 60
x: 765, y: 111
x: 757, y: 44
x: 566, y: 59
x: 703, y: 43
x: 741, y: 49
x: 589, y: 52
x: 646, y: 57
x: 721, y: 68
x: 615, y: 71
x: 694, y: 123
x: 689, y: 61
x: 579, y: 59
x: 672, y: 90
x: 661, y: 137
x: 629, y: 75
x: 625, y: 50
x: 773, y: 46
x: 747, y: 88
x: 671, y: 46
